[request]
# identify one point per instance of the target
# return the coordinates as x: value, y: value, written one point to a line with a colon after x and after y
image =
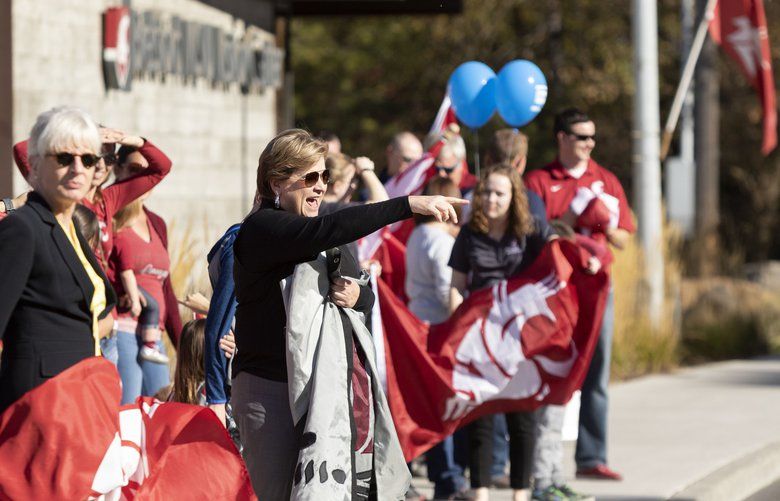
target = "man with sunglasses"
x: 590, y: 198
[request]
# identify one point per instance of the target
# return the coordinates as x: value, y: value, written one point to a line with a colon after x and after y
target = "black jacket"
x: 267, y: 248
x: 45, y: 322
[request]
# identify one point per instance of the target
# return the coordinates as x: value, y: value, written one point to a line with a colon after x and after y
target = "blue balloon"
x: 472, y: 89
x: 521, y: 92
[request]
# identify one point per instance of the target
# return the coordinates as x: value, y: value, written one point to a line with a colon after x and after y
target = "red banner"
x: 739, y: 26
x: 70, y: 439
x: 523, y: 343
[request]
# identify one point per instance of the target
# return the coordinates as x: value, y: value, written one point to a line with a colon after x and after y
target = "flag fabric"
x: 70, y: 439
x: 523, y: 343
x: 444, y: 117
x: 739, y: 26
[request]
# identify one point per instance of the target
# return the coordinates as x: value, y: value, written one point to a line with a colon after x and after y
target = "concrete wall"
x: 213, y: 136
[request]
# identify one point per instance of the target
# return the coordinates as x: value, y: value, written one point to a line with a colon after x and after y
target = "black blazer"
x: 45, y: 322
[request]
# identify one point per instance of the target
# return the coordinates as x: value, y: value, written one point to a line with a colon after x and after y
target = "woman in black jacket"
x: 284, y: 232
x: 56, y: 299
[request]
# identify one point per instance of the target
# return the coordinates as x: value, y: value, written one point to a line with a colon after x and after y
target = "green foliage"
x: 367, y: 78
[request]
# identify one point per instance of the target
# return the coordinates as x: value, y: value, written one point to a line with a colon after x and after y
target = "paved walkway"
x: 685, y: 434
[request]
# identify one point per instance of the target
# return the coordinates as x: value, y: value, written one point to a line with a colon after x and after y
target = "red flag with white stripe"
x: 523, y: 343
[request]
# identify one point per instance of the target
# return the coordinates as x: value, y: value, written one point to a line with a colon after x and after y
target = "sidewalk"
x: 702, y: 433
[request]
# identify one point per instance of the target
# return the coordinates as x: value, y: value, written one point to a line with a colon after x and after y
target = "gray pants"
x: 547, y: 467
x: 262, y: 411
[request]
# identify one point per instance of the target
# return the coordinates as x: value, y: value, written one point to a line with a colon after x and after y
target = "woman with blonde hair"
x: 314, y: 422
x: 346, y: 173
x: 502, y: 239
x: 142, y: 265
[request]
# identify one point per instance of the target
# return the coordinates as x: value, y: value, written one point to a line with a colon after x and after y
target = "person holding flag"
x: 501, y: 240
x: 589, y: 198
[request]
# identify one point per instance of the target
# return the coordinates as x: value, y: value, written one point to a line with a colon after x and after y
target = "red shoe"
x: 599, y: 472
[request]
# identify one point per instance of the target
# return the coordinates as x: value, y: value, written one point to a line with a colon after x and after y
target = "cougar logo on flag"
x: 490, y: 362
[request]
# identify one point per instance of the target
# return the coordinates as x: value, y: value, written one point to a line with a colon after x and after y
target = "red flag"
x: 444, y: 117
x: 523, y: 343
x: 69, y: 439
x: 391, y: 256
x: 739, y: 26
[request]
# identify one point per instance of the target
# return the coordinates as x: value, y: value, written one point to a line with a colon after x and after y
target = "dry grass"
x: 189, y: 272
x: 638, y: 348
x: 728, y: 318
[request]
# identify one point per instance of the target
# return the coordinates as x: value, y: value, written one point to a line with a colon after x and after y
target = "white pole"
x: 647, y: 165
x: 687, y: 76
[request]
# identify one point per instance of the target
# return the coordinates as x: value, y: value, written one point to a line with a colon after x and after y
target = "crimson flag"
x: 70, y: 439
x: 523, y: 343
x: 739, y: 26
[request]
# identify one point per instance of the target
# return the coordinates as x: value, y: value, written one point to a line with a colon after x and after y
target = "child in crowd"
x: 141, y: 273
x: 189, y: 380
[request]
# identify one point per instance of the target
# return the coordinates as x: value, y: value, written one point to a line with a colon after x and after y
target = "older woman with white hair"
x: 56, y: 299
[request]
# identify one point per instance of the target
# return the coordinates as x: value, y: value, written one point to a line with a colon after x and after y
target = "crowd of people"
x: 87, y: 273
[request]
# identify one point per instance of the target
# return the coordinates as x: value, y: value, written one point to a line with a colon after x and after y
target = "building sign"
x: 149, y: 44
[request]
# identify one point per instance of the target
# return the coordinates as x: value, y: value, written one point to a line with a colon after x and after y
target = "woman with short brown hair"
x: 305, y: 398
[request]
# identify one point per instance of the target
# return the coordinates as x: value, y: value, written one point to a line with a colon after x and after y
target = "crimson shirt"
x: 149, y: 262
x: 557, y: 188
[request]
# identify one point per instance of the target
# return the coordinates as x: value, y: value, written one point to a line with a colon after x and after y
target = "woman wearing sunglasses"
x: 105, y: 203
x: 56, y: 298
x: 339, y: 428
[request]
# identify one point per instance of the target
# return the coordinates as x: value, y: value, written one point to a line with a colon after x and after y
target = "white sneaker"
x: 153, y: 355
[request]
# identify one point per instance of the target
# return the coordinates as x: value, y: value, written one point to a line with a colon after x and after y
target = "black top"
x: 488, y: 261
x: 45, y: 321
x: 268, y: 246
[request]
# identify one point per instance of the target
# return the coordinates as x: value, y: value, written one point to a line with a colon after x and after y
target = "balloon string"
x: 476, y: 151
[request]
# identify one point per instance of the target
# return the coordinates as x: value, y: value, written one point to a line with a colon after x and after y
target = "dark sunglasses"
x: 445, y: 169
x: 311, y: 178
x: 583, y: 137
x: 66, y: 159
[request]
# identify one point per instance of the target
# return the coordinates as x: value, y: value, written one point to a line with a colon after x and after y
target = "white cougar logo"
x: 490, y: 363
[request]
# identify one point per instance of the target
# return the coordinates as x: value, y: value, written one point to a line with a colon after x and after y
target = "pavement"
x: 707, y: 433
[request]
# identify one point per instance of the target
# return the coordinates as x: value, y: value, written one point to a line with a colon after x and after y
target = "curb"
x: 738, y: 479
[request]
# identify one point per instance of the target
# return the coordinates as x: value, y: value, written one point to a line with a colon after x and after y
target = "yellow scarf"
x: 98, y: 303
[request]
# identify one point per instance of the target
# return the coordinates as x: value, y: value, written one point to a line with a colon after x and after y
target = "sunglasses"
x: 583, y: 137
x: 66, y: 159
x: 311, y: 178
x: 446, y: 170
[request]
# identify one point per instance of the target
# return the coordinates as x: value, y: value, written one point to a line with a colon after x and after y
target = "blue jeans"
x: 109, y: 349
x: 150, y: 314
x: 592, y: 435
x: 446, y: 463
x: 500, y: 446
x: 139, y: 377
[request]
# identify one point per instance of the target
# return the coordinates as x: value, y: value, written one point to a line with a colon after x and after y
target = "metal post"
x: 680, y: 171
x: 707, y: 110
x: 647, y: 168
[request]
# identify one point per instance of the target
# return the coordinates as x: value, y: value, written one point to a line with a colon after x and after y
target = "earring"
x: 276, y: 201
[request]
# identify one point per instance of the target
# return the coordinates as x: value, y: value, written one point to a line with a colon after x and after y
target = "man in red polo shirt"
x: 588, y: 197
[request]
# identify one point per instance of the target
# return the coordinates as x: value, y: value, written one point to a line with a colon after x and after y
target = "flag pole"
x: 687, y: 76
